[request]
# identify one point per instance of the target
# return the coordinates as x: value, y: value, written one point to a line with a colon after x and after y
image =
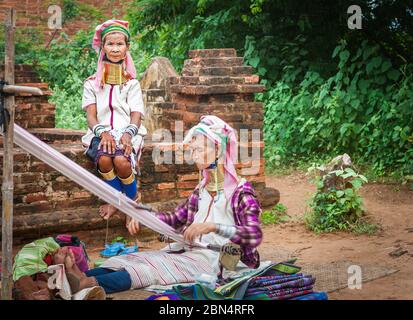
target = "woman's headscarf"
x: 100, y: 32
x: 219, y: 132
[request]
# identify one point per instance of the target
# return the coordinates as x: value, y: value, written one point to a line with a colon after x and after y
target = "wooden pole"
x: 7, y: 187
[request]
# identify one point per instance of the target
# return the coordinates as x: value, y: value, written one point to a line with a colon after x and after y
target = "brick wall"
x: 32, y: 111
x: 32, y: 14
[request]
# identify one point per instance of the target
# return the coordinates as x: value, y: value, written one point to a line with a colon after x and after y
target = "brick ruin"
x: 33, y: 15
x: 213, y: 81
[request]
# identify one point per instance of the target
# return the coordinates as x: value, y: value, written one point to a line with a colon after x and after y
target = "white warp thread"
x: 90, y: 182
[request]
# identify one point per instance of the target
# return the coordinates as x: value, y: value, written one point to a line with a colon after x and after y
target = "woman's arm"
x: 248, y: 232
x: 135, y: 118
x: 106, y: 140
x: 179, y: 216
x: 91, y: 115
x: 126, y: 139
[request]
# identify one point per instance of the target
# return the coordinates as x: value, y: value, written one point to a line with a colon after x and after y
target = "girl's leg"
x: 126, y: 176
x: 98, y: 272
x: 115, y: 281
x: 106, y: 170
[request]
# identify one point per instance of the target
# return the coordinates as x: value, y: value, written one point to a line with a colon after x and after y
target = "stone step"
x: 55, y: 135
x: 218, y: 71
x: 43, y: 224
x: 212, y: 53
x: 217, y: 89
x: 248, y: 108
x: 58, y: 135
x: 214, y: 62
x: 214, y: 80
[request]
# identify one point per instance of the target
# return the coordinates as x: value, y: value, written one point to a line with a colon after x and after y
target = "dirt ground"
x: 391, y: 206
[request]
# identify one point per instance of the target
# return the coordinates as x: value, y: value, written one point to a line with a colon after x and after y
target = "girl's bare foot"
x: 107, y: 210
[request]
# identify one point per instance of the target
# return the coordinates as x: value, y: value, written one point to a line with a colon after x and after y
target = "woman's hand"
x: 197, y: 229
x: 126, y: 142
x: 132, y: 225
x: 107, y: 143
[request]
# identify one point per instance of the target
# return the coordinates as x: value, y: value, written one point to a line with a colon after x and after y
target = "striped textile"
x: 160, y: 267
x: 287, y: 282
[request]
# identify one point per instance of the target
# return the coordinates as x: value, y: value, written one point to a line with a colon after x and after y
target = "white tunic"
x: 210, y: 209
x: 114, y: 104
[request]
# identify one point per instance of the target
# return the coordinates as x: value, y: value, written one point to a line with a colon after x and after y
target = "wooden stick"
x: 7, y: 187
x: 11, y: 89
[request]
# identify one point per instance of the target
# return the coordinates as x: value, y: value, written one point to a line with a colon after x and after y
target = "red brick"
x: 34, y: 197
x: 187, y: 184
x: 184, y: 193
x: 168, y: 185
x: 187, y: 177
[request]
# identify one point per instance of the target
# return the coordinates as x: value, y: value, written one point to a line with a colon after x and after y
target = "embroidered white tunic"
x: 114, y: 104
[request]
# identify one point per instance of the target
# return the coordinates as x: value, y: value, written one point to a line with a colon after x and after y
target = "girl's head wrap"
x: 101, y: 32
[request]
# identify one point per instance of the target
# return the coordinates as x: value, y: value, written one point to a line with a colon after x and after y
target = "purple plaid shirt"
x: 246, y: 209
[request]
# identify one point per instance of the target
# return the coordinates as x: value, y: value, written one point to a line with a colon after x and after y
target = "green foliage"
x: 339, y: 208
x: 65, y: 64
x: 276, y: 215
x: 364, y: 109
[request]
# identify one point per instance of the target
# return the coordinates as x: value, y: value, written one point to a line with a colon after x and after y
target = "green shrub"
x: 363, y: 110
x: 338, y: 209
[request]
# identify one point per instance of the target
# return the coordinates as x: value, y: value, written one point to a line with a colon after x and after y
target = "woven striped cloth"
x: 160, y: 267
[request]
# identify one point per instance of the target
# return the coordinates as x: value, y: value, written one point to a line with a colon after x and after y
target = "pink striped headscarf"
x: 97, y: 44
x: 223, y: 134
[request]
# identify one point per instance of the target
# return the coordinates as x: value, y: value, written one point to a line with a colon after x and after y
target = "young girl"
x: 112, y: 99
x: 223, y: 208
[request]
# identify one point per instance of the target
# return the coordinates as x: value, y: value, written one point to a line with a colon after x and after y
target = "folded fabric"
x: 312, y: 296
x: 298, y: 283
x: 290, y: 295
x: 270, y: 280
x: 277, y: 281
x: 164, y: 296
x: 282, y: 292
x: 199, y: 292
x: 238, y: 287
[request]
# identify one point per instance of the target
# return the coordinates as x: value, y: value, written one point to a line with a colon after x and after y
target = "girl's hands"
x: 126, y: 142
x: 107, y: 143
x: 197, y: 229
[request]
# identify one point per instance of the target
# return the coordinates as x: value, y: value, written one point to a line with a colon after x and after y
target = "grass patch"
x: 276, y: 215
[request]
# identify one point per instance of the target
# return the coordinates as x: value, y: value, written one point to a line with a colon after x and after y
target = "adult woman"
x: 222, y: 209
x: 112, y: 99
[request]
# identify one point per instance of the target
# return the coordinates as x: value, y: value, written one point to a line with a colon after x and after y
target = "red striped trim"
x: 110, y: 105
